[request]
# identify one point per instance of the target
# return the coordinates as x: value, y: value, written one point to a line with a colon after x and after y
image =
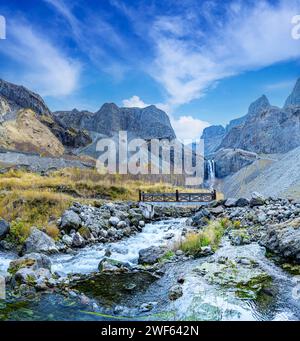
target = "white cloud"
x: 187, y: 127
x: 249, y: 37
x: 134, y: 102
x: 44, y: 67
x: 289, y: 84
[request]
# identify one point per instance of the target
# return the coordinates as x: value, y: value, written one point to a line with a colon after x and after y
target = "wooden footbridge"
x: 178, y: 197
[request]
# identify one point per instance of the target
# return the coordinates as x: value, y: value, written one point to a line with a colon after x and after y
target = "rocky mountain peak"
x: 19, y: 97
x: 109, y: 107
x: 257, y: 106
x: 294, y: 97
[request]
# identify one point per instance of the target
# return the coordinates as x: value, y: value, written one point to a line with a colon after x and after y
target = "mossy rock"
x: 18, y: 264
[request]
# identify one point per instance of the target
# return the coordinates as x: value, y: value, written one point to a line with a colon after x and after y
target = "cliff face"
x: 294, y: 98
x: 212, y: 137
x: 146, y: 123
x: 18, y: 97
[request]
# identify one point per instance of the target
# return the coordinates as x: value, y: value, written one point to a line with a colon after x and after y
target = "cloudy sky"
x: 203, y: 62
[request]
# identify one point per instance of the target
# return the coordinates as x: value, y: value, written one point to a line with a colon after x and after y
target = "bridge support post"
x: 140, y: 195
x: 177, y: 195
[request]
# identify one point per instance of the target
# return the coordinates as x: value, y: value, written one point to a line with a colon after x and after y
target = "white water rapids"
x: 127, y: 250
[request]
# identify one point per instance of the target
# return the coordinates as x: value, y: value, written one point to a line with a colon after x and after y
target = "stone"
x: 217, y: 210
x: 151, y: 255
x: 39, y: 241
x: 145, y: 307
x: 70, y: 220
x: 257, y: 199
x: 284, y: 240
x: 25, y: 276
x: 201, y: 217
x: 242, y: 202
x: 230, y: 202
x: 111, y: 232
x: 33, y: 260
x: 112, y: 265
x: 175, y: 292
x: 4, y: 228
x: 78, y: 240
x: 121, y: 224
x: 113, y: 221
x: 141, y: 223
x: 262, y: 217
x: 67, y: 240
x: 147, y: 211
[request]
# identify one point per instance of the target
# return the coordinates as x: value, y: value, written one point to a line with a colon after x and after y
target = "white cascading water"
x: 211, y: 173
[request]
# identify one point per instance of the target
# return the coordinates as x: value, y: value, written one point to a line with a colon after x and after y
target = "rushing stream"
x: 201, y: 300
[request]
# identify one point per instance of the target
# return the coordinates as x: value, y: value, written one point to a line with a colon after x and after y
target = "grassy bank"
x: 30, y: 199
x: 211, y: 235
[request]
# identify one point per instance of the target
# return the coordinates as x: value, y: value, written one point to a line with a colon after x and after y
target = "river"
x: 201, y: 300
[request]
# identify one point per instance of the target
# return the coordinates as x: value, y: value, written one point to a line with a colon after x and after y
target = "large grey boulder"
x: 257, y: 199
x: 4, y: 228
x: 151, y: 255
x: 147, y: 211
x: 70, y: 220
x: 34, y: 261
x: 284, y: 240
x: 39, y: 241
x: 201, y: 218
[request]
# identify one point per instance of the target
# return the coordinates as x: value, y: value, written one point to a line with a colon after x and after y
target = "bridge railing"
x: 178, y: 197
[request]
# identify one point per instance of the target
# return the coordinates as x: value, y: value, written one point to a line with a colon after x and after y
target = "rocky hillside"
x: 146, y: 123
x: 278, y: 176
x: 14, y: 99
x: 27, y: 134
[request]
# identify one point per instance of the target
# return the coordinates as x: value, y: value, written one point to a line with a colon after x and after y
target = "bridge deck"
x: 177, y: 197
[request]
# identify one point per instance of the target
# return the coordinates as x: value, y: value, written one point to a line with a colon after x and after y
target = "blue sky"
x: 201, y: 61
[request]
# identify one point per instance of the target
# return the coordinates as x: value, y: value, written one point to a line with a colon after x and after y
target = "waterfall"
x: 211, y: 172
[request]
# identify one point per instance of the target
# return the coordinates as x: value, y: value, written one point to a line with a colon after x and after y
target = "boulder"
x: 242, y: 202
x: 112, y: 265
x: 114, y: 221
x: 230, y: 202
x: 39, y: 241
x: 147, y: 211
x: 151, y: 255
x: 284, y: 240
x: 257, y: 199
x: 70, y: 220
x: 175, y: 292
x: 67, y: 240
x: 33, y: 261
x: 78, y: 240
x: 201, y: 217
x: 217, y: 210
x: 121, y: 224
x: 4, y: 228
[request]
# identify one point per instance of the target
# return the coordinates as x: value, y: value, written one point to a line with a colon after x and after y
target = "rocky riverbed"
x: 123, y: 261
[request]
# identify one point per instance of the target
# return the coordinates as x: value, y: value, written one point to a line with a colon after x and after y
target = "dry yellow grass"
x: 30, y: 199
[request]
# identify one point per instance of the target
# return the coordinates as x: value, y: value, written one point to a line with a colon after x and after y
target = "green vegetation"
x: 210, y: 236
x: 167, y: 256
